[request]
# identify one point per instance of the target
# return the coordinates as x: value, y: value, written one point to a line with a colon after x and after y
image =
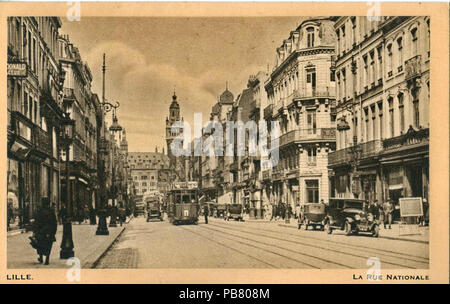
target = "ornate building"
x: 301, y: 94
x: 382, y: 70
x: 34, y: 114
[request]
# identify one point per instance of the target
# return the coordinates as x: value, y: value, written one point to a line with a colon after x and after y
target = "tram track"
x: 379, y: 252
x: 229, y: 247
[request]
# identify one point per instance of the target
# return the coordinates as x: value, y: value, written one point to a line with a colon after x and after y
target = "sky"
x: 148, y: 58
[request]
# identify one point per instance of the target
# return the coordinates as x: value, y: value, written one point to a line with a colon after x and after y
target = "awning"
x: 226, y: 198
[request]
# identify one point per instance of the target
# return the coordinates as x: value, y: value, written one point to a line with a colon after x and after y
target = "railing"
x: 68, y: 93
x: 339, y: 157
x: 317, y: 92
x: 410, y: 138
x: 266, y: 174
x: 371, y: 148
x: 280, y: 104
x: 307, y: 135
x: 268, y: 111
x: 42, y: 141
x: 413, y: 67
x: 368, y: 149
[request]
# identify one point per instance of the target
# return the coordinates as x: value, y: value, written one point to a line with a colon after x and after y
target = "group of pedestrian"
x: 382, y: 212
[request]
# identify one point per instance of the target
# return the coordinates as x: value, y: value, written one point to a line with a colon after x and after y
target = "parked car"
x: 234, y: 212
x: 350, y: 215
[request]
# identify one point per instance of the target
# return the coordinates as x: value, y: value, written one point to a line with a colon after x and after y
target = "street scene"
x: 189, y: 143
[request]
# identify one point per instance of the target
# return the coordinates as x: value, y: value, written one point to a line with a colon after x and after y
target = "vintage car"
x: 314, y: 215
x: 350, y: 215
x: 234, y: 212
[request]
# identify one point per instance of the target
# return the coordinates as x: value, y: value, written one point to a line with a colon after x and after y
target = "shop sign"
x: 17, y: 69
x: 411, y: 206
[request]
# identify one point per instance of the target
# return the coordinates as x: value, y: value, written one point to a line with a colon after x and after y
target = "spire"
x: 226, y: 85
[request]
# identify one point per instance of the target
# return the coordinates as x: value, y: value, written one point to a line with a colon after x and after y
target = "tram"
x: 183, y: 203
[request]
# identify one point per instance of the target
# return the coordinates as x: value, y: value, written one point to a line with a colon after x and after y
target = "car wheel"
x: 375, y: 231
x: 348, y: 228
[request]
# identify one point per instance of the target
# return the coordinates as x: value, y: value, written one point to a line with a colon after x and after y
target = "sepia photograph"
x: 220, y: 142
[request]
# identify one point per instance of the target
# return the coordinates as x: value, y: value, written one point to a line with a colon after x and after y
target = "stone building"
x: 147, y: 171
x: 382, y: 73
x: 301, y: 94
x: 34, y: 114
x: 82, y: 105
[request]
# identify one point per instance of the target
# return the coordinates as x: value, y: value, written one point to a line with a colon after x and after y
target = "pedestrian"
x: 388, y: 208
x: 373, y: 209
x: 10, y: 213
x: 44, y: 229
x: 426, y: 214
x: 206, y: 212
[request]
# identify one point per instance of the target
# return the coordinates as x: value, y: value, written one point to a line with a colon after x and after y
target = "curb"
x: 15, y: 232
x: 91, y: 265
x: 381, y: 236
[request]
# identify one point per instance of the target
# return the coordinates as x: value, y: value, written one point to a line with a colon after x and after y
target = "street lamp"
x: 102, y: 228
x: 67, y: 240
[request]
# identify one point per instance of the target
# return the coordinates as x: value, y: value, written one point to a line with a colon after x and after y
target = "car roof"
x: 347, y: 199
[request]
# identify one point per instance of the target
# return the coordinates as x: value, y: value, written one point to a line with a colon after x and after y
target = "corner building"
x: 301, y: 94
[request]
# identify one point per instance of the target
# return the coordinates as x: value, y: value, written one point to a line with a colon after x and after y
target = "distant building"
x: 149, y: 171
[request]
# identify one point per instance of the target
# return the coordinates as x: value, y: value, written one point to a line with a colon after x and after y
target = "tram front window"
x: 186, y: 199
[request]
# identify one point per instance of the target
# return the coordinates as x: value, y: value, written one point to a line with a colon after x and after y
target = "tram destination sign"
x: 17, y: 69
x: 411, y: 206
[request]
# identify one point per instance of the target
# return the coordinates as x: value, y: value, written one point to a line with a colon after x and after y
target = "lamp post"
x: 67, y: 240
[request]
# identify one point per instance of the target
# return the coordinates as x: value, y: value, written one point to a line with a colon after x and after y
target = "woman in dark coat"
x: 44, y: 228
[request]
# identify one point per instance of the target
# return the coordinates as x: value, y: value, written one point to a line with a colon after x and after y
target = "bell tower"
x: 174, y: 116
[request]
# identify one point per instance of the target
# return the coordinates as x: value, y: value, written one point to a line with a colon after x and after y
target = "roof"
x: 148, y: 160
x: 226, y: 97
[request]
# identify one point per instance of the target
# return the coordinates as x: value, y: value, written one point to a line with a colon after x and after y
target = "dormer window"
x: 310, y: 37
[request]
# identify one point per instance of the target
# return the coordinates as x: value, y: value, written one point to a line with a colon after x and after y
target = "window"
x: 310, y: 37
x: 312, y: 191
x: 144, y: 184
x: 311, y: 120
x: 400, y: 54
x: 389, y: 60
x: 143, y: 177
x: 374, y: 129
x: 401, y: 109
x: 414, y: 41
x: 391, y: 116
x: 366, y: 114
x: 25, y: 104
x: 380, y: 116
x: 416, y: 115
x: 312, y: 153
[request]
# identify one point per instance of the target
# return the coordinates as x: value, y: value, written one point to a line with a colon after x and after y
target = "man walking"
x: 388, y: 209
x: 206, y: 212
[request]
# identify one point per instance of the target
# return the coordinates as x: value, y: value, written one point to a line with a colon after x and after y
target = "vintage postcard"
x: 224, y: 142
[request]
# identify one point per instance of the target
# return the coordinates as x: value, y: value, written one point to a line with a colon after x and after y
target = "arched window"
x: 310, y: 37
x: 414, y: 41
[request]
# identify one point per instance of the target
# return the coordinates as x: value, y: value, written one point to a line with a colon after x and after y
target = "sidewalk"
x: 393, y: 234
x: 88, y: 247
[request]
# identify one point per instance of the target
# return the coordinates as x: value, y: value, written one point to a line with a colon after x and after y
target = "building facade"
x: 301, y: 94
x: 382, y: 73
x: 34, y: 113
x: 148, y: 171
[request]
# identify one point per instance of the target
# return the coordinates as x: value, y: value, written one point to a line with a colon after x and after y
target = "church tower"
x: 174, y: 115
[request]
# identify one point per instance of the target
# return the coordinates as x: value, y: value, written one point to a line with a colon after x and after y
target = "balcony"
x: 266, y: 175
x: 410, y: 138
x: 268, y: 111
x: 42, y: 141
x: 69, y: 93
x: 317, y: 92
x: 339, y: 157
x: 371, y: 148
x: 368, y: 149
x: 307, y: 135
x: 413, y: 67
x: 280, y: 104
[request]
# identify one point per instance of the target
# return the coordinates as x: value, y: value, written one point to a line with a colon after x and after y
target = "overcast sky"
x: 147, y: 57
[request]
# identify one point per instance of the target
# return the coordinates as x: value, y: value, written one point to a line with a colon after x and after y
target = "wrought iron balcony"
x: 307, y: 135
x: 413, y: 67
x: 42, y: 141
x: 368, y: 149
x: 410, y: 138
x: 317, y: 92
x: 268, y: 111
